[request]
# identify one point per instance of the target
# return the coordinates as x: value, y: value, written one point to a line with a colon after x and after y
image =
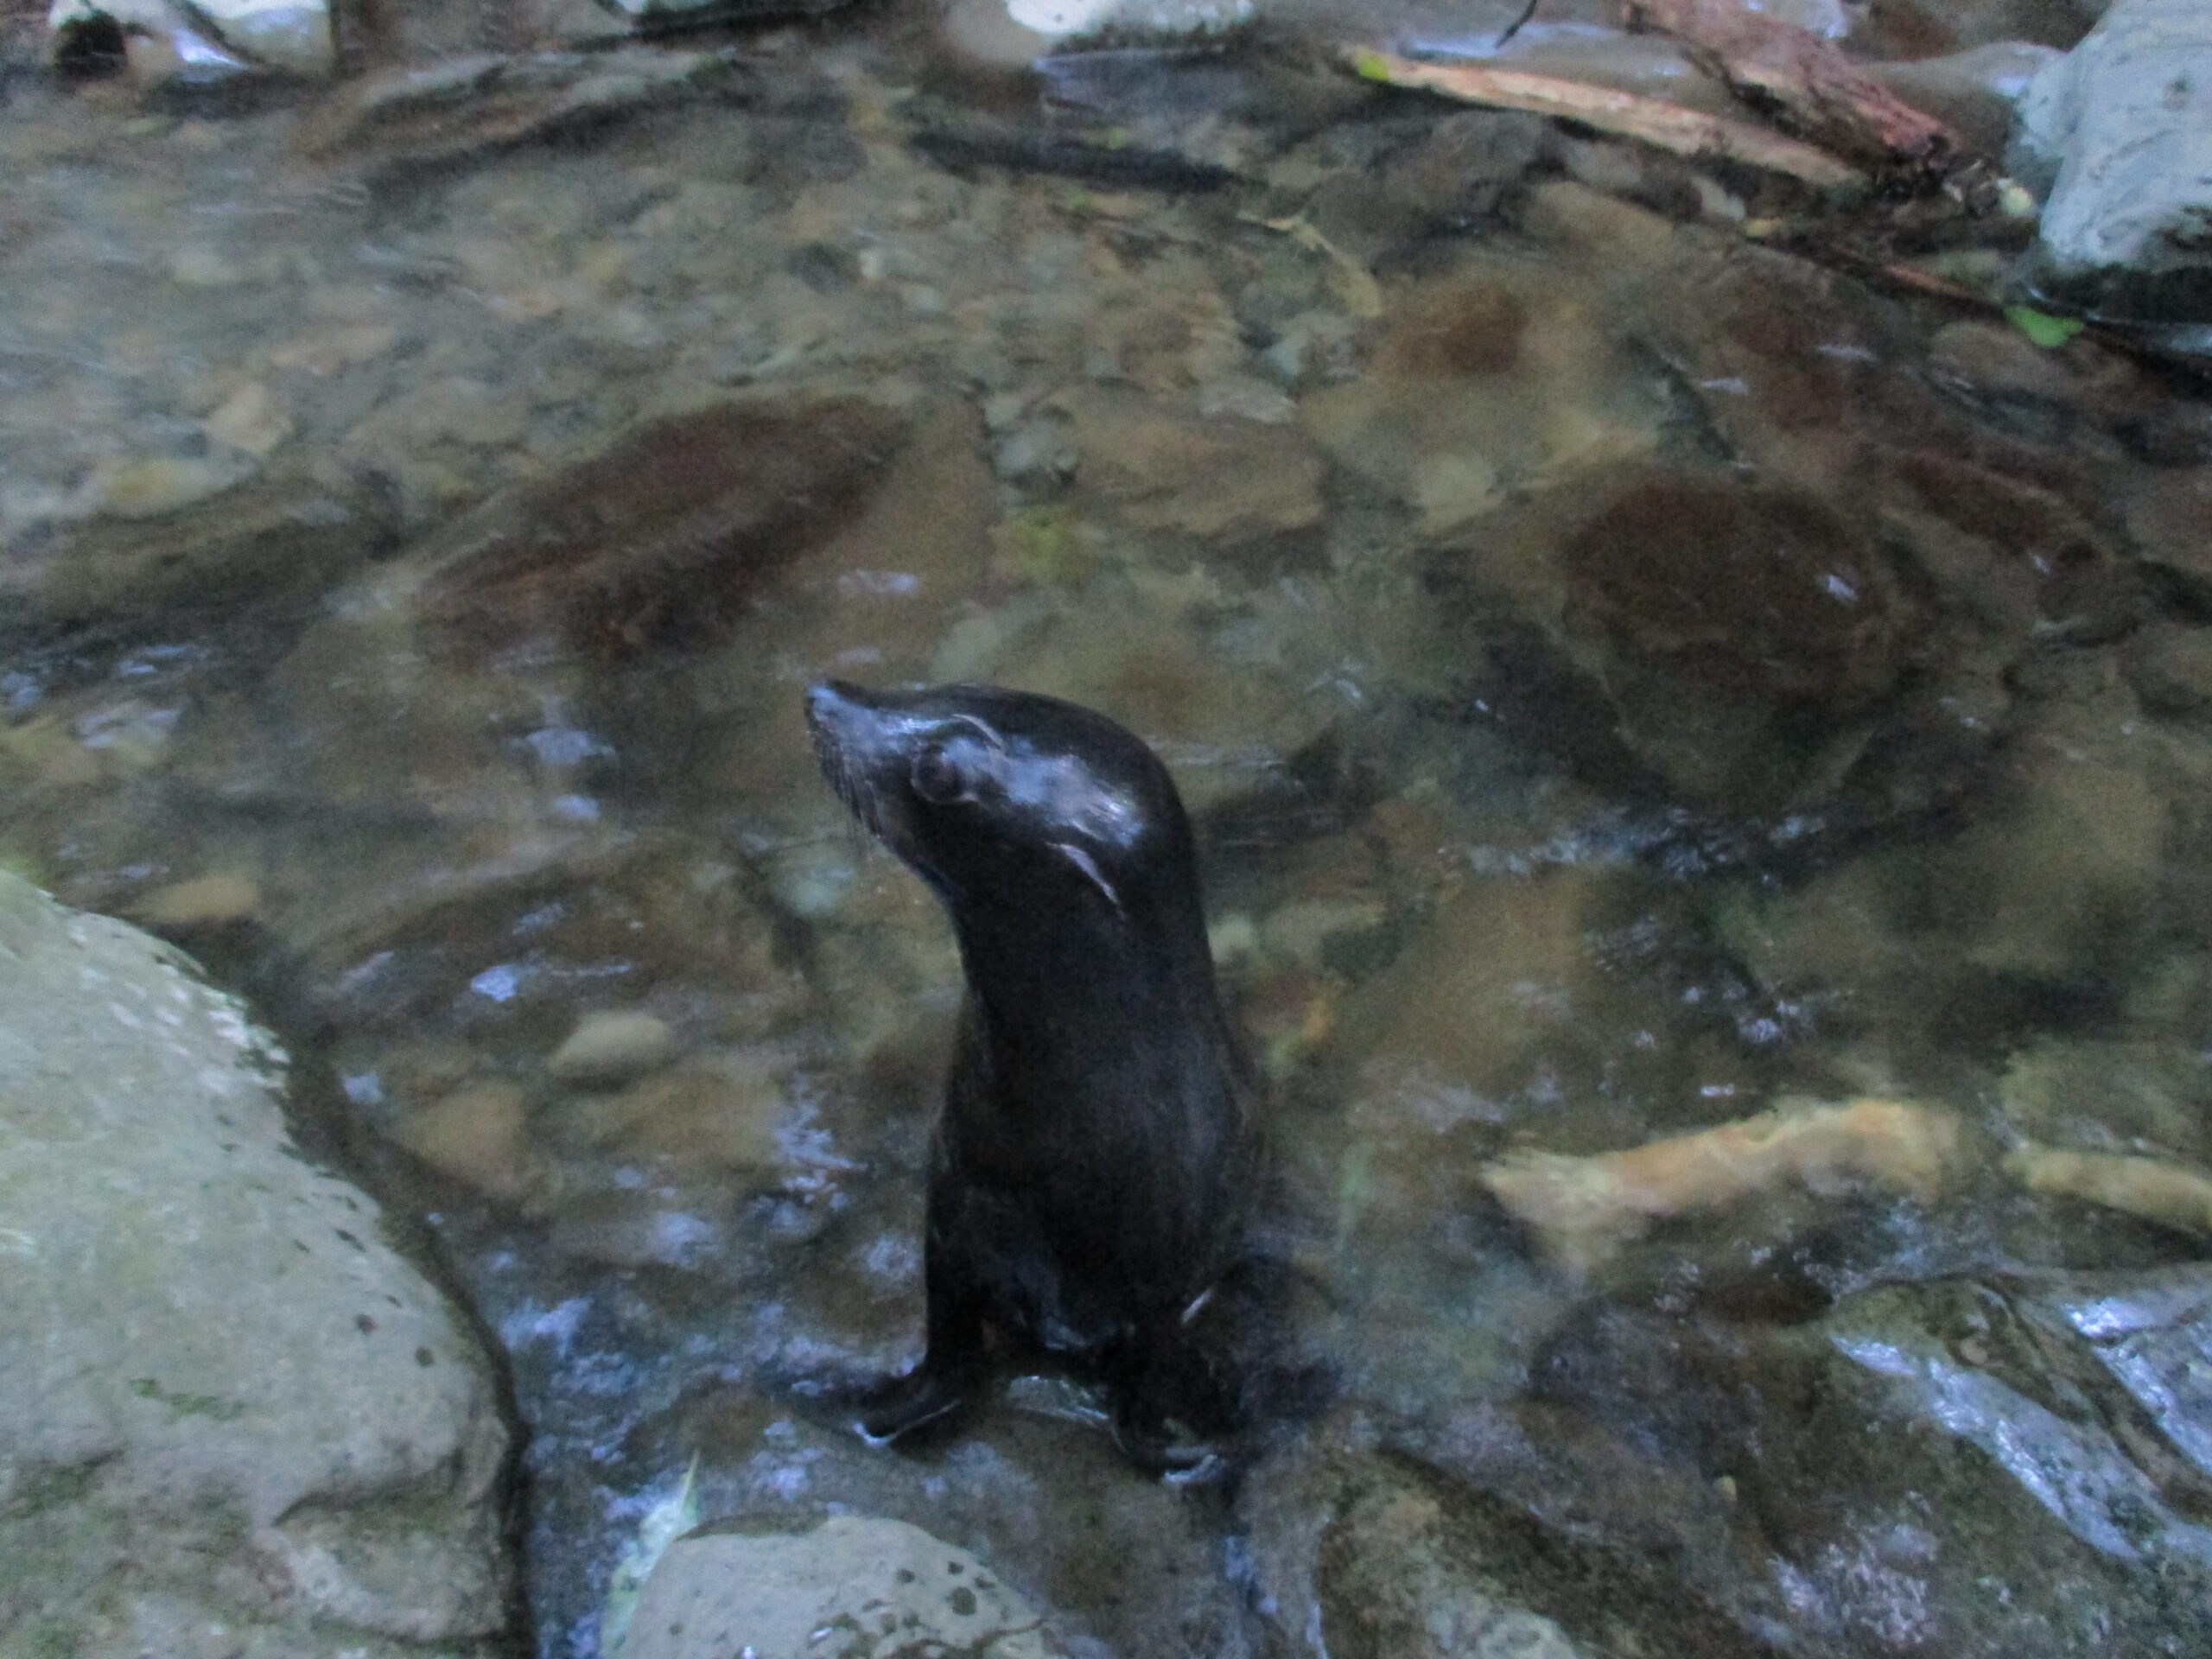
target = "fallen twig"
x: 1816, y: 90
x: 1668, y: 126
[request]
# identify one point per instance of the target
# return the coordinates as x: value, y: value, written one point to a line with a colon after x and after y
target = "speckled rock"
x: 231, y: 1406
x: 2120, y: 130
x: 854, y: 1586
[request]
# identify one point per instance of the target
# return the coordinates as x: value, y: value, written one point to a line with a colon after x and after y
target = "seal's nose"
x: 832, y: 704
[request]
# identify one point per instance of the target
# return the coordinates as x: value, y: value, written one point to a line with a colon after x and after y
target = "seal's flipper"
x: 901, y: 1406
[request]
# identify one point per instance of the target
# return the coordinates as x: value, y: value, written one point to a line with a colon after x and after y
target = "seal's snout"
x: 853, y: 746
x: 845, y: 728
x: 831, y: 706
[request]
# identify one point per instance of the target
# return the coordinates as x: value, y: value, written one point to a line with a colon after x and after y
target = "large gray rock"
x: 2120, y: 132
x: 856, y: 1587
x: 237, y: 1422
x: 1978, y: 1467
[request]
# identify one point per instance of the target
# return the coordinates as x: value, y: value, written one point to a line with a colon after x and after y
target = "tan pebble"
x: 203, y: 267
x: 606, y: 264
x: 349, y: 304
x: 252, y: 419
x: 612, y: 1047
x: 324, y: 351
x: 696, y: 1117
x: 147, y: 488
x: 474, y: 1134
x: 526, y: 304
x: 48, y: 749
x: 204, y: 901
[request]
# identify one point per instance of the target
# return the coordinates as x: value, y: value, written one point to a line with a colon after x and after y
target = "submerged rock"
x: 1729, y: 642
x: 230, y: 1404
x: 479, y: 103
x: 659, y: 538
x: 1398, y: 1575
x: 266, y: 546
x: 1411, y: 1564
x: 2121, y: 132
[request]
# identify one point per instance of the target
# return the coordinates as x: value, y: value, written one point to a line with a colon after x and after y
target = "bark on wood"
x: 1686, y: 132
x: 1809, y: 85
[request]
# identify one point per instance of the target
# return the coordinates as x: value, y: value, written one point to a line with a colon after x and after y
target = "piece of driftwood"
x: 1585, y: 1210
x: 2152, y: 1189
x: 1809, y: 85
x: 1626, y: 115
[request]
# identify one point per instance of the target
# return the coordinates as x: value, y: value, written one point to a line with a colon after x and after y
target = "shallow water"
x: 1626, y: 677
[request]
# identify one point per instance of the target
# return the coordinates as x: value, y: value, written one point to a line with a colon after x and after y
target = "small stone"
x: 203, y: 267
x: 474, y: 1134
x: 612, y: 1047
x: 152, y: 485
x: 702, y: 1116
x: 203, y: 902
x: 252, y: 419
x: 2170, y: 668
x: 324, y: 351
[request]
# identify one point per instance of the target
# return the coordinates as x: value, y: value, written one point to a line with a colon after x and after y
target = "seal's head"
x: 999, y: 797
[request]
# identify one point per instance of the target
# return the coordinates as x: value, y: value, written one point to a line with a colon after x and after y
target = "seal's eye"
x: 938, y: 777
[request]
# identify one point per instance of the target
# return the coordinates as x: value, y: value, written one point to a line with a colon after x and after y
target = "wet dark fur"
x: 1092, y: 1178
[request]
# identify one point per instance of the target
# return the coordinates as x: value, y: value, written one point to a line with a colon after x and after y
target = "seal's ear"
x: 1083, y: 862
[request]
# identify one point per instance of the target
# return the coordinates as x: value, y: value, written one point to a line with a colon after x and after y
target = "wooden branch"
x: 1814, y: 89
x: 1625, y: 115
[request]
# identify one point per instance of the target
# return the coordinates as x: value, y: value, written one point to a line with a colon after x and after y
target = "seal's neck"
x: 1040, y: 974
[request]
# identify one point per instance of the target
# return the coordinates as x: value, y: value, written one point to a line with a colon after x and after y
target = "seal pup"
x: 1091, y: 1174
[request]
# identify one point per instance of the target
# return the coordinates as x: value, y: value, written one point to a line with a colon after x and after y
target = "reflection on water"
x: 1627, y: 676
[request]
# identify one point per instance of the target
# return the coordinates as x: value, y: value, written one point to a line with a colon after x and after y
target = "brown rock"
x: 702, y: 1118
x: 1471, y: 327
x: 474, y: 1134
x: 270, y: 544
x: 1762, y: 593
x: 658, y: 538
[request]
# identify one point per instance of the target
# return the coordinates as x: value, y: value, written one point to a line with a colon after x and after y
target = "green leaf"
x: 1369, y: 66
x: 2041, y: 327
